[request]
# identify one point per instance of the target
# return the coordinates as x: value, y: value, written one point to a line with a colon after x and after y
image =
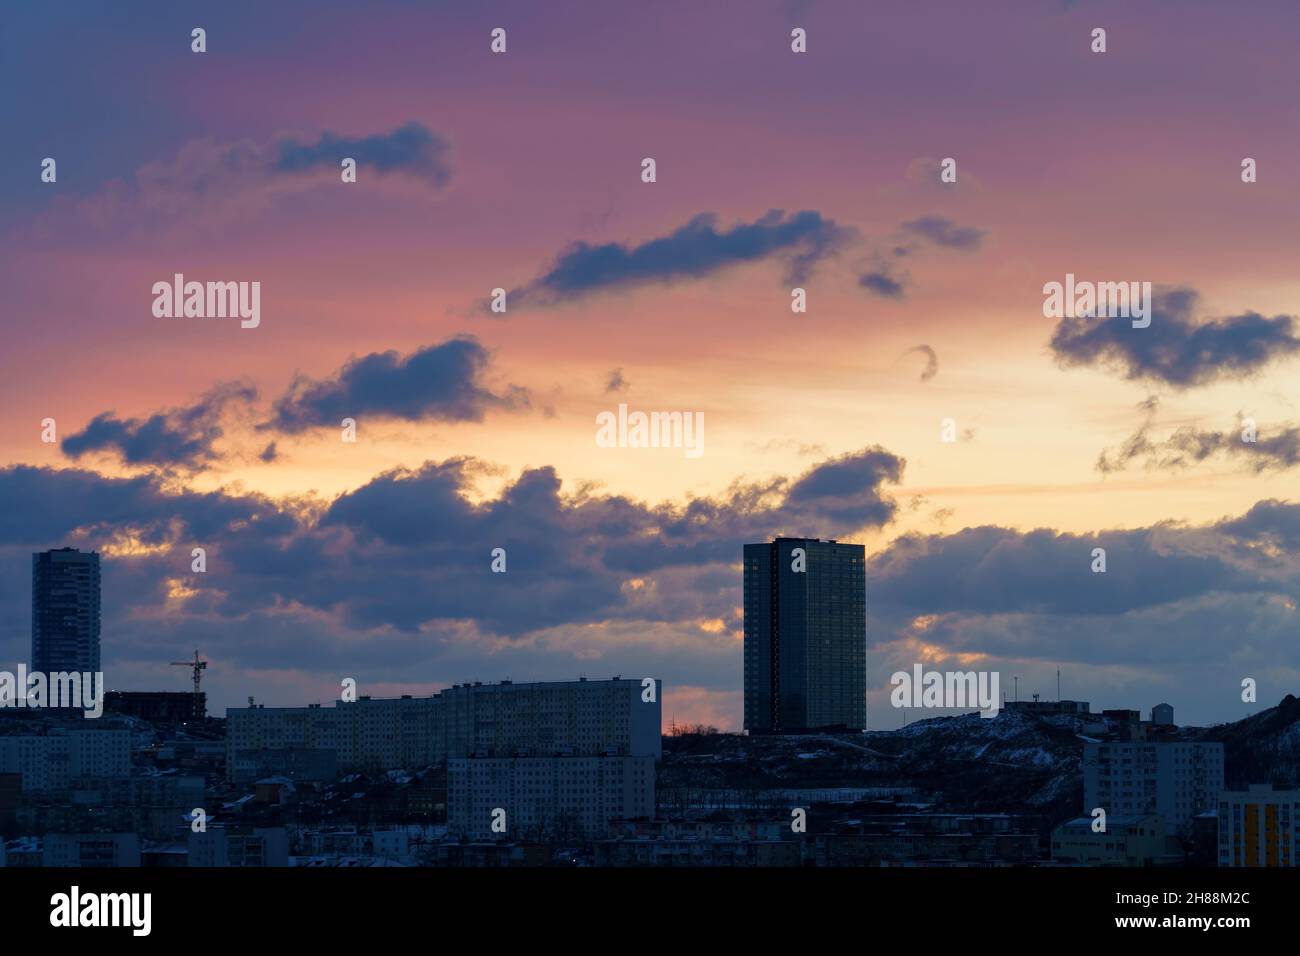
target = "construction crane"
x: 198, y: 666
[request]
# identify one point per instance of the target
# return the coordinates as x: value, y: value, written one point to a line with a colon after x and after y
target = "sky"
x: 475, y: 430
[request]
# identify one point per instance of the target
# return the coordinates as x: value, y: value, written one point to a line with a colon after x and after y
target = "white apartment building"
x: 239, y: 846
x: 55, y: 760
x: 1259, y: 826
x: 91, y: 850
x: 542, y: 796
x: 560, y: 717
x: 1173, y: 779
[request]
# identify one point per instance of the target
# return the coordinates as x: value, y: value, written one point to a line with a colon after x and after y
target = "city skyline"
x: 780, y: 555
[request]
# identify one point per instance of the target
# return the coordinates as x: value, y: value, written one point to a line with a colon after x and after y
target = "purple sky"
x: 521, y: 171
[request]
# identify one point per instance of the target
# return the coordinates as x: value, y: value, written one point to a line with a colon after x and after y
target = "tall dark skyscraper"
x: 65, y: 611
x: 805, y: 636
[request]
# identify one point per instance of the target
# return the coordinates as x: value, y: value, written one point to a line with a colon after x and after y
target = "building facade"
x: 1175, y: 780
x: 581, y: 718
x: 58, y: 759
x: 91, y: 850
x: 562, y: 756
x: 535, y: 797
x: 239, y: 846
x: 65, y: 611
x: 1137, y: 840
x: 1259, y: 827
x: 1049, y: 708
x: 157, y: 705
x: 805, y: 636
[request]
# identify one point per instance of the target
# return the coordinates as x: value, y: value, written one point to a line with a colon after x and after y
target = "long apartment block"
x: 618, y: 717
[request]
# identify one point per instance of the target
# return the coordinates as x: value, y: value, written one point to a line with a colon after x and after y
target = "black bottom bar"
x: 963, y: 905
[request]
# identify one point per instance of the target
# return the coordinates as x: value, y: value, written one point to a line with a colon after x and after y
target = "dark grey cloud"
x: 182, y: 438
x: 208, y: 185
x: 1176, y: 349
x: 990, y: 570
x: 438, y: 383
x: 832, y: 499
x: 944, y: 232
x: 393, y: 579
x: 411, y: 548
x: 1275, y: 448
x: 697, y: 249
x: 847, y: 490
x: 1270, y: 527
x: 412, y: 149
x: 1172, y: 599
x: 931, y: 361
x: 883, y: 284
x: 54, y: 504
x: 616, y: 382
x: 882, y: 277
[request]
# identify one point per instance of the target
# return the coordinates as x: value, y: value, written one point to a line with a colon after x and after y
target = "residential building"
x: 65, y: 611
x: 91, y: 850
x: 1128, y: 840
x: 535, y: 797
x: 1175, y: 780
x: 1048, y: 707
x: 805, y: 636
x: 579, y: 717
x: 1259, y: 827
x: 157, y: 705
x: 60, y: 757
x: 239, y: 846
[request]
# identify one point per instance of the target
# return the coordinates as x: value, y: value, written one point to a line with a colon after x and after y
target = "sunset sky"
x: 475, y: 430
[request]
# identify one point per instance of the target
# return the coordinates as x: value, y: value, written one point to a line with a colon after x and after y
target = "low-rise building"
x: 157, y: 705
x: 239, y: 846
x: 1047, y: 707
x: 1137, y: 840
x: 91, y: 850
x: 498, y: 797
